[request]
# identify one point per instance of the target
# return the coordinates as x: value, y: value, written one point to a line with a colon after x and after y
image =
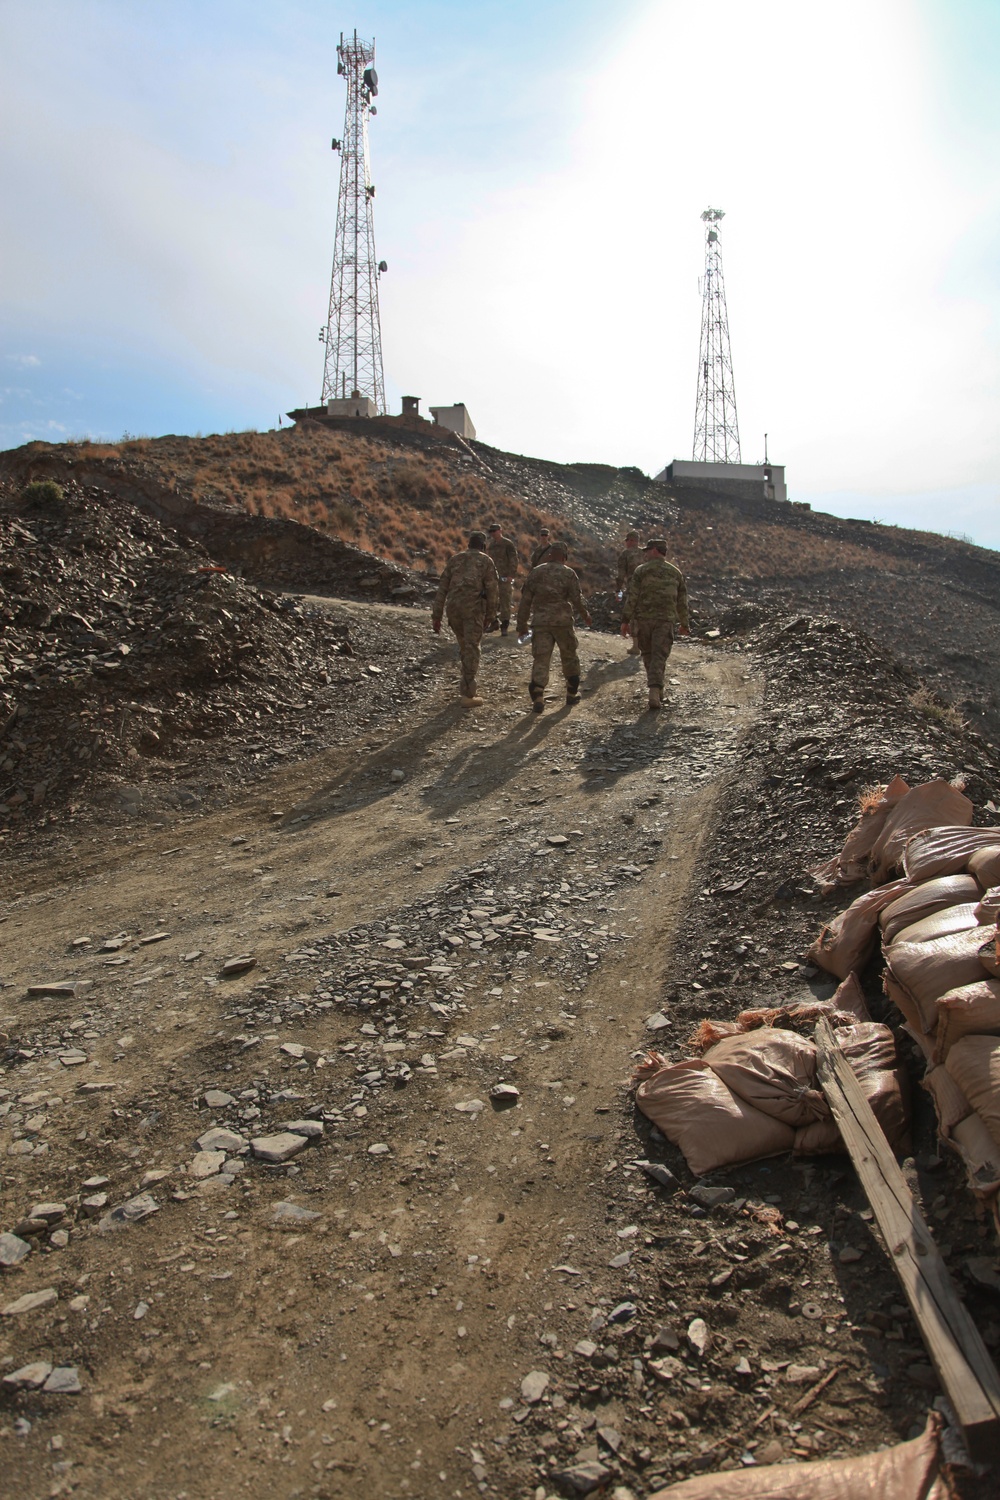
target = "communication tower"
x: 352, y: 333
x: 716, y: 430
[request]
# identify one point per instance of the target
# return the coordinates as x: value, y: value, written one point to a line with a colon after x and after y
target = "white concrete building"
x: 354, y: 405
x: 766, y: 481
x: 455, y: 418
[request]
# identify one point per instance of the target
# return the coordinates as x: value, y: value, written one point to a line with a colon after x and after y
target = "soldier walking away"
x: 506, y: 561
x: 550, y: 595
x: 628, y: 561
x: 541, y: 552
x: 469, y: 590
x: 656, y: 601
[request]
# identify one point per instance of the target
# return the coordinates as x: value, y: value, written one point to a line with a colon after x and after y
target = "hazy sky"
x: 168, y: 198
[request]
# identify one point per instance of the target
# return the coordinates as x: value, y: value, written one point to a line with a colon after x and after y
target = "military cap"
x: 478, y: 538
x: 494, y: 526
x: 657, y: 542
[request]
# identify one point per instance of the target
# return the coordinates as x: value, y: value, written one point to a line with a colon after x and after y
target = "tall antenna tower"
x: 716, y: 430
x: 353, y: 333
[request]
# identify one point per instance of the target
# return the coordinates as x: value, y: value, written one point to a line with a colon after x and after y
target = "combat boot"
x: 474, y: 702
x: 504, y: 626
x: 572, y: 689
x: 537, y: 696
x: 655, y: 699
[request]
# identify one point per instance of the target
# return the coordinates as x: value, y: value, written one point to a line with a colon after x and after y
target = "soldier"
x: 628, y: 561
x: 470, y: 586
x: 506, y: 561
x: 656, y: 601
x: 549, y: 597
x: 541, y: 552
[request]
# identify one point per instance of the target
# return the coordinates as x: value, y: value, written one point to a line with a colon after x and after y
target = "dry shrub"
x: 927, y: 702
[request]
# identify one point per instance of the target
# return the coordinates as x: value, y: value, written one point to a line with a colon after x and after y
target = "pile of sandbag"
x: 938, y: 927
x: 753, y: 1093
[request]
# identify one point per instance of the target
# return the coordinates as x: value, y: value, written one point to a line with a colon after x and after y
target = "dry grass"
x: 927, y: 702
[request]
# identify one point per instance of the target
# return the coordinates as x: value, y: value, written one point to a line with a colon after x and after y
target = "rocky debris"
x: 534, y: 1386
x: 30, y: 1302
x: 131, y: 1212
x: 293, y: 1213
x: 13, y: 1250
x: 279, y: 1147
x: 28, y: 1377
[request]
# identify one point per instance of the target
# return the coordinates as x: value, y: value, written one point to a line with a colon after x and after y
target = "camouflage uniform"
x: 550, y: 595
x: 540, y: 553
x: 506, y: 561
x: 628, y: 560
x: 469, y: 585
x: 656, y: 601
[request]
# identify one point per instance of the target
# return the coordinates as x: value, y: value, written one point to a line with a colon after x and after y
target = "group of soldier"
x: 475, y: 595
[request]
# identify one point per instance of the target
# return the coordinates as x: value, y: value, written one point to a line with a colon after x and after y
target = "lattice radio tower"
x: 353, y: 333
x: 716, y: 430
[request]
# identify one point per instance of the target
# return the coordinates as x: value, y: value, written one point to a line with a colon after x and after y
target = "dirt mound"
x: 125, y: 647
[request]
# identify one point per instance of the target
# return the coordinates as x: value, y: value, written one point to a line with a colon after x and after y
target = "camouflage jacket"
x: 550, y: 594
x: 628, y: 561
x: 468, y: 584
x: 540, y: 553
x: 505, y: 558
x: 657, y: 592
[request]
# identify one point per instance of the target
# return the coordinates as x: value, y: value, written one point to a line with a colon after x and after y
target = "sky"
x: 169, y: 199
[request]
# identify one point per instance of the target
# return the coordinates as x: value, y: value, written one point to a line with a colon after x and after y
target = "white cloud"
x: 25, y: 361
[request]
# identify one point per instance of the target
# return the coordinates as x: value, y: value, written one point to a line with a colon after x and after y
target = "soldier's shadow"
x: 476, y: 771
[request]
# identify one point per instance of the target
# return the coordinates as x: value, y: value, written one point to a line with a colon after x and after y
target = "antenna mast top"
x: 716, y: 430
x: 353, y: 332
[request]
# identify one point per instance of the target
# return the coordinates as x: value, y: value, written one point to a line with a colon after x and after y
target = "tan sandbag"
x: 851, y: 863
x: 870, y: 1048
x: 988, y: 909
x: 917, y: 1023
x: 925, y: 899
x: 973, y: 1010
x: 773, y: 1070
x: 929, y: 970
x: 849, y: 998
x: 932, y: 805
x: 989, y: 954
x: 980, y: 1154
x: 985, y: 864
x: 692, y: 1107
x: 941, y: 924
x: 944, y: 851
x: 950, y: 1104
x: 821, y: 1139
x: 974, y: 1063
x: 846, y: 943
x: 907, y: 1471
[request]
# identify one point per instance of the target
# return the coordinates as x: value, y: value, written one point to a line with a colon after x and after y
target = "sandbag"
x: 944, y: 851
x: 849, y: 997
x: 980, y: 1154
x: 695, y: 1110
x: 988, y: 909
x: 939, y: 924
x: 773, y: 1070
x: 974, y: 1063
x: 907, y: 1471
x: 851, y: 863
x: 950, y: 1104
x: 846, y: 943
x: 923, y: 900
x: 985, y: 863
x: 870, y: 1048
x: 932, y: 805
x: 904, y: 1002
x: 926, y: 971
x: 973, y: 1010
x: 989, y: 954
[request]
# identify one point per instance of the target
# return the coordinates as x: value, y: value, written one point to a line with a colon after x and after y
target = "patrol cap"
x: 477, y: 538
x: 560, y: 547
x: 656, y: 543
x: 494, y: 526
x: 545, y: 531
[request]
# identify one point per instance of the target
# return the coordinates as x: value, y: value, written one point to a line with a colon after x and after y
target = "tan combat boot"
x: 474, y: 702
x: 655, y: 699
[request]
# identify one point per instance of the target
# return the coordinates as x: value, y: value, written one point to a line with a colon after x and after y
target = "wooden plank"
x: 965, y: 1369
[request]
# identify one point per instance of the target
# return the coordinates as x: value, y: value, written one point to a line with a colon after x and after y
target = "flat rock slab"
x: 280, y: 1147
x: 217, y: 1099
x: 219, y: 1139
x: 59, y: 989
x: 206, y: 1163
x: 711, y: 1197
x: 234, y: 966
x: 533, y: 1386
x: 132, y: 1212
x: 30, y: 1302
x: 311, y: 1129
x: 28, y: 1377
x: 64, y: 1381
x: 582, y: 1478
x: 51, y: 1213
x: 292, y: 1213
x: 13, y: 1249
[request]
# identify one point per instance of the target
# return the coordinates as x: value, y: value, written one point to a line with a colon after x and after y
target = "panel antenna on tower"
x: 716, y: 430
x: 353, y: 333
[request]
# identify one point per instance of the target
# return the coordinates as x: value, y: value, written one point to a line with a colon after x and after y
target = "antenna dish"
x: 383, y: 265
x: 370, y: 78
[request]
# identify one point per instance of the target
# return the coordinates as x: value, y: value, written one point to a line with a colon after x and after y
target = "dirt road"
x: 502, y: 912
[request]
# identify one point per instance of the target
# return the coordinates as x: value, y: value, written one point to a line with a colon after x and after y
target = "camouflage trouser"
x: 468, y: 629
x: 506, y: 598
x: 654, y: 639
x: 544, y: 638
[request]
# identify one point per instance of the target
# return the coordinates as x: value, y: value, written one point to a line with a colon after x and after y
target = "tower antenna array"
x: 716, y: 430
x: 353, y: 333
